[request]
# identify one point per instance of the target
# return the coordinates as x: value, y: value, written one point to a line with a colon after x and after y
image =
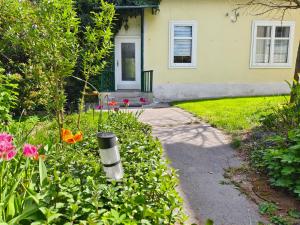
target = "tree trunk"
x: 81, y: 105
x: 296, y: 76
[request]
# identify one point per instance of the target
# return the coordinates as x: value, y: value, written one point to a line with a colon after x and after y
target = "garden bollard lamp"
x: 110, y: 156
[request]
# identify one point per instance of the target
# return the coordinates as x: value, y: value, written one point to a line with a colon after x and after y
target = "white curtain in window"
x: 272, y: 44
x: 183, y: 40
x: 182, y: 47
x: 183, y: 31
x: 263, y: 47
x: 281, y: 51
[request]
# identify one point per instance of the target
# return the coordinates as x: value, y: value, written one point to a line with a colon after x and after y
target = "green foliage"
x: 209, y: 222
x: 97, y: 42
x: 282, y: 161
x: 276, y: 151
x: 286, y: 116
x: 267, y: 208
x: 294, y: 213
x: 20, y: 181
x: 236, y: 142
x: 96, y: 47
x: 47, y: 33
x: 279, y: 220
x: 73, y: 189
x: 281, y: 118
x: 8, y: 96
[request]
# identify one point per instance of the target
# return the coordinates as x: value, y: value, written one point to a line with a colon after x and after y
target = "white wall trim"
x: 255, y: 23
x: 192, y: 23
x: 174, y: 92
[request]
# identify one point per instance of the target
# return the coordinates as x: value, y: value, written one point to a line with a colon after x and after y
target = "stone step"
x: 127, y: 94
x: 133, y: 97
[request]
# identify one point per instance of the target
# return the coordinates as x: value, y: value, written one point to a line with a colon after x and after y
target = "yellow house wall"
x: 223, y: 52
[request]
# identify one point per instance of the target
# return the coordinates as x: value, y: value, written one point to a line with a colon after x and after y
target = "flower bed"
x: 74, y: 190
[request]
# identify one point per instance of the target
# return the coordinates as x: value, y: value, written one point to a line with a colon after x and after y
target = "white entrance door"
x: 128, y: 62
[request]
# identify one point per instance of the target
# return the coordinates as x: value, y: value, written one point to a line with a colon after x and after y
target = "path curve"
x: 200, y: 153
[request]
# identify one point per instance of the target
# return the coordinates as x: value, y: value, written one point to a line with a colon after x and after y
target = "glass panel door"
x: 128, y: 61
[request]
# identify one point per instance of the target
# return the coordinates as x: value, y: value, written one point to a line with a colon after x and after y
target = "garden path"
x: 200, y: 153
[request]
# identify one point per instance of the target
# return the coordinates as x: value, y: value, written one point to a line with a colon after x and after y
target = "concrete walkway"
x: 200, y: 153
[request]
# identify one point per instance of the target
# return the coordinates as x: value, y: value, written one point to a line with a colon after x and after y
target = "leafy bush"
x: 282, y: 118
x: 277, y: 148
x: 279, y: 220
x: 285, y: 116
x: 282, y: 161
x: 267, y: 208
x: 8, y: 96
x: 76, y: 190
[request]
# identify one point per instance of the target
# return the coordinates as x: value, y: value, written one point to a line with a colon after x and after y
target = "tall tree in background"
x: 46, y: 31
x: 261, y: 7
x: 96, y: 46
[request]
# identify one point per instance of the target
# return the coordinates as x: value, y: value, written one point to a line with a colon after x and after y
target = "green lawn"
x: 234, y: 115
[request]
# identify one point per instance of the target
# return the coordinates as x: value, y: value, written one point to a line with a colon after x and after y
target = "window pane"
x: 263, y: 51
x: 264, y: 31
x: 183, y: 31
x: 281, y: 51
x: 282, y: 32
x: 183, y: 51
x: 128, y: 61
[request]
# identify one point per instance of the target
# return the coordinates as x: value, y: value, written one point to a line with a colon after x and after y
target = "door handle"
x: 117, y: 63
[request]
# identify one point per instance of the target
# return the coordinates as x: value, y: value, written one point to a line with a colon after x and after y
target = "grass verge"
x: 234, y: 115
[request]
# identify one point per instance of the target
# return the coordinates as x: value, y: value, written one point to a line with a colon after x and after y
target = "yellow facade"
x: 223, y: 51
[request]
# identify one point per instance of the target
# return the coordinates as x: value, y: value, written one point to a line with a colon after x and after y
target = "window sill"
x: 271, y: 66
x: 182, y: 66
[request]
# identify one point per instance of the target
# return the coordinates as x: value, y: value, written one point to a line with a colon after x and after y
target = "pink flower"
x: 126, y: 102
x: 9, y: 155
x: 7, y: 150
x: 6, y: 137
x: 30, y: 150
x: 99, y: 107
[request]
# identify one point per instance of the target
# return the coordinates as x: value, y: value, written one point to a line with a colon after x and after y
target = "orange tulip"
x: 112, y: 103
x: 78, y: 136
x: 37, y: 156
x: 68, y: 137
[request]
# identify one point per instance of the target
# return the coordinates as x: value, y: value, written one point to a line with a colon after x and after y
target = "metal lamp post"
x: 110, y: 156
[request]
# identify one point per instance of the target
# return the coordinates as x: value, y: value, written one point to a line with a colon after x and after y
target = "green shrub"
x: 267, y: 208
x: 282, y: 118
x: 279, y: 220
x: 78, y: 191
x: 8, y: 96
x: 282, y: 161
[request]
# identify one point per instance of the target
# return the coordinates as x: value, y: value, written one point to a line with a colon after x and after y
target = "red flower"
x: 143, y: 100
x: 126, y: 102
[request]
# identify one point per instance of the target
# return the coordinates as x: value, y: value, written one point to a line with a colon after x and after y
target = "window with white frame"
x: 182, y: 44
x: 272, y: 43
